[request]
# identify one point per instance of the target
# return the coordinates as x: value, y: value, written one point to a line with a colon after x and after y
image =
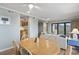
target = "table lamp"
x: 74, y: 33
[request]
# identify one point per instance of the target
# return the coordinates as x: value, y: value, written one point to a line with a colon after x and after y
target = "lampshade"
x: 75, y: 31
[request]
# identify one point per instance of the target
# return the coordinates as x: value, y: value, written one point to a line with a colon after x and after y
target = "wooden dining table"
x: 43, y: 47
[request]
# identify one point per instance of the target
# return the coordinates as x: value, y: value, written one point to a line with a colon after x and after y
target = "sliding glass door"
x: 61, y: 28
x: 68, y: 28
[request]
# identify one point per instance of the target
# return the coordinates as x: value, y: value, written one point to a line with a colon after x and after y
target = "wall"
x: 10, y: 32
x: 33, y: 27
x: 75, y: 23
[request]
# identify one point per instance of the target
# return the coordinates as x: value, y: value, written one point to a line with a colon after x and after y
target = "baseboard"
x: 5, y: 49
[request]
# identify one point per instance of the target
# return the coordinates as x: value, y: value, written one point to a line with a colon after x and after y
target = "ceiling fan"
x: 31, y: 6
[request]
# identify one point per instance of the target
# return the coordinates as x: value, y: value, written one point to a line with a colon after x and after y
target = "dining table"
x: 43, y: 47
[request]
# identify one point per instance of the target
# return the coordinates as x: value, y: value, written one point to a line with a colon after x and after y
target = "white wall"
x: 33, y: 27
x: 10, y: 32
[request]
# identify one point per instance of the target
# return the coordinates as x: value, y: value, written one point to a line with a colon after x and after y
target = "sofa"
x: 62, y: 42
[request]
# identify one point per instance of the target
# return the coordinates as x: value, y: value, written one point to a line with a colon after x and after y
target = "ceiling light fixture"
x: 30, y: 6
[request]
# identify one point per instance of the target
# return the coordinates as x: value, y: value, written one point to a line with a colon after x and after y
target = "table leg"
x: 68, y: 51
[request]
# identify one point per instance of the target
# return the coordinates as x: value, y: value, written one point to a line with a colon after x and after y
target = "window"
x: 61, y: 28
x: 68, y: 28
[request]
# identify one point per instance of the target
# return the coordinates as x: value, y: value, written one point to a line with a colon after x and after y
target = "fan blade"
x: 37, y: 7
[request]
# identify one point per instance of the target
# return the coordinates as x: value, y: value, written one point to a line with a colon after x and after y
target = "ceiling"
x: 47, y: 11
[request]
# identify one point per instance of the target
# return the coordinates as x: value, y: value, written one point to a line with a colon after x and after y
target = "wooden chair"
x: 16, y: 46
x: 25, y: 52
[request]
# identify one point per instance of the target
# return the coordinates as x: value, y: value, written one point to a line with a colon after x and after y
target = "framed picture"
x: 4, y: 20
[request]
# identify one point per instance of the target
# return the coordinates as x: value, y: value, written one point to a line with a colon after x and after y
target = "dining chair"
x: 33, y: 39
x: 16, y: 46
x: 25, y: 52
